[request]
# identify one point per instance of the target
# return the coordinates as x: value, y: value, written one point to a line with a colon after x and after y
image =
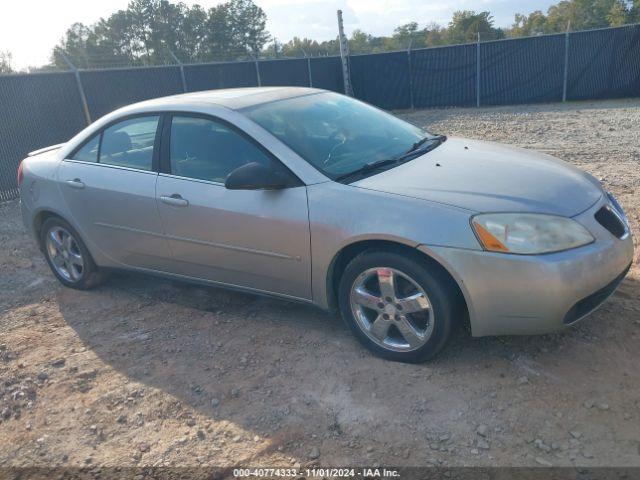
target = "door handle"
x: 174, y: 200
x: 75, y: 183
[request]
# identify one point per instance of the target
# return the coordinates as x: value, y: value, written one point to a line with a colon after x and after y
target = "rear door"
x: 109, y: 186
x: 248, y: 238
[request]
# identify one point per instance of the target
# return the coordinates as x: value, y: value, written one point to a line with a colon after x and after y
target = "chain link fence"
x: 41, y: 109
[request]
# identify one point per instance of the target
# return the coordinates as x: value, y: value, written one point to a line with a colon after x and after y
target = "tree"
x: 74, y: 46
x: 360, y: 42
x: 234, y: 30
x: 528, y: 25
x: 219, y: 33
x: 5, y: 62
x: 634, y: 11
x: 148, y: 32
x: 586, y: 14
x: 248, y: 23
x: 194, y: 35
x: 305, y: 47
x: 465, y: 26
x: 619, y: 14
x: 434, y: 35
x: 407, y: 35
x: 577, y: 15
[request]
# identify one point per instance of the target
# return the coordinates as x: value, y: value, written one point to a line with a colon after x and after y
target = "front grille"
x: 590, y: 303
x: 611, y: 222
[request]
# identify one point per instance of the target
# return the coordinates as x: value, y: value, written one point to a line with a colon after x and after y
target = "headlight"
x: 528, y: 233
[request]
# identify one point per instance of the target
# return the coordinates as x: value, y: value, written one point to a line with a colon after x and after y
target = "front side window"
x: 89, y: 151
x: 130, y: 143
x: 334, y: 133
x: 204, y: 149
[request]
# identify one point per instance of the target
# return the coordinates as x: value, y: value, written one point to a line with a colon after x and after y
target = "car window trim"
x: 165, y: 144
x: 199, y: 180
x: 155, y: 158
x: 106, y: 165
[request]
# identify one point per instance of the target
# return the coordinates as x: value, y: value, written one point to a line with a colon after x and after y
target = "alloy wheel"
x: 65, y: 254
x: 392, y: 309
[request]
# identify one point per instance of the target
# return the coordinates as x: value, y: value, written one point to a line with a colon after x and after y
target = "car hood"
x: 490, y: 177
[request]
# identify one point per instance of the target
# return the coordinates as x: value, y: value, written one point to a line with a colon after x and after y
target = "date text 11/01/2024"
x: 317, y: 472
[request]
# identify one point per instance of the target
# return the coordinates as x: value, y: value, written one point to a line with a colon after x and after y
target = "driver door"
x: 254, y: 239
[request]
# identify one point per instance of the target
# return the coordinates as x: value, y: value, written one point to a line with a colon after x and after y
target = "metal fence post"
x: 182, y: 77
x: 308, y: 66
x: 344, y: 56
x: 83, y: 98
x: 478, y: 72
x: 566, y: 64
x: 257, y: 66
x: 409, y: 65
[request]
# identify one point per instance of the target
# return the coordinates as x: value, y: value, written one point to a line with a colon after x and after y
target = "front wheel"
x: 395, y: 306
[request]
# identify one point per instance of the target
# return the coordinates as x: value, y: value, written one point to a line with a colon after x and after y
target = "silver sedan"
x: 319, y: 198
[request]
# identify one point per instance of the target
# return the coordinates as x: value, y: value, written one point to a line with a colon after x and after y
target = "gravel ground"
x: 146, y: 372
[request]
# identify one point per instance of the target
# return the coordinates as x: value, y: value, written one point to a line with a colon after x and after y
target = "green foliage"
x: 576, y: 15
x: 466, y: 25
x: 634, y: 12
x: 301, y: 47
x: 149, y: 31
x: 527, y: 25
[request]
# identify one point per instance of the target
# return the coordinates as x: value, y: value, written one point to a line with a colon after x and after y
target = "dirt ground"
x: 149, y: 372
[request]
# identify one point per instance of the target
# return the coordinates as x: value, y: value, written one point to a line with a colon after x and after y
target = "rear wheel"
x: 395, y: 306
x: 67, y: 255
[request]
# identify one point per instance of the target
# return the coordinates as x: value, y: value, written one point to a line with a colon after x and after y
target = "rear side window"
x: 89, y: 152
x: 208, y: 150
x: 130, y: 143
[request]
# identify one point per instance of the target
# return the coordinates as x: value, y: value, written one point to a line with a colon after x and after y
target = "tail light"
x: 20, y: 174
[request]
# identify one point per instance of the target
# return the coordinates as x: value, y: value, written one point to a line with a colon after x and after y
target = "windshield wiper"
x: 416, y: 146
x: 415, y: 150
x: 368, y: 167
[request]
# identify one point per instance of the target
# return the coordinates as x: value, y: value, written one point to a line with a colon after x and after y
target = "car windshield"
x: 337, y: 134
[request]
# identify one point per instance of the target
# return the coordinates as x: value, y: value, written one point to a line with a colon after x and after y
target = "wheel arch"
x: 350, y: 251
x: 38, y: 220
x: 44, y: 214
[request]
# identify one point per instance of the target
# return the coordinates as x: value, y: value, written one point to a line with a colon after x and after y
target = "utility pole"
x: 344, y: 56
x: 83, y: 98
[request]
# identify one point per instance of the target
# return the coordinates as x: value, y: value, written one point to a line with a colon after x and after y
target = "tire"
x: 427, y: 324
x: 66, y: 266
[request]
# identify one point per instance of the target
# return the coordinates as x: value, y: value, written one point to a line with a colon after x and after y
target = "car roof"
x: 232, y: 98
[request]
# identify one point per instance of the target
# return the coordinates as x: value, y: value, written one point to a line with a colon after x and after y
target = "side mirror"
x: 256, y: 176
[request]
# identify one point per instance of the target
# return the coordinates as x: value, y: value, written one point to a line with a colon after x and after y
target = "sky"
x: 29, y: 29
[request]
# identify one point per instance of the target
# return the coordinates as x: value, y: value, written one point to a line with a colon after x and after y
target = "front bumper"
x: 535, y: 294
